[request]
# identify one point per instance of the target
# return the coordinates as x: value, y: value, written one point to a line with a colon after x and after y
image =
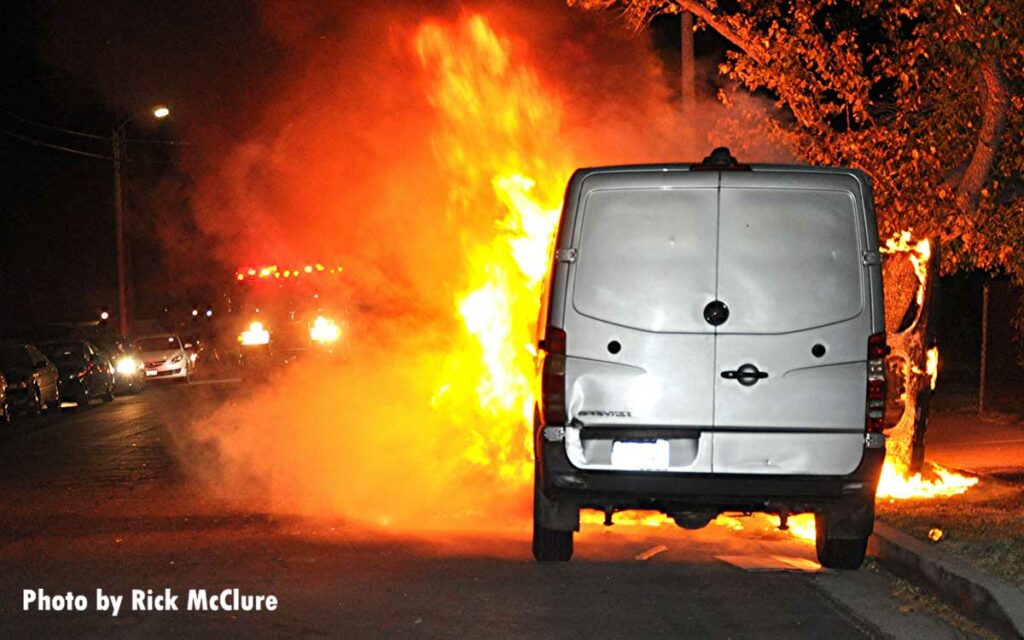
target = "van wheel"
x: 838, y: 553
x: 549, y: 545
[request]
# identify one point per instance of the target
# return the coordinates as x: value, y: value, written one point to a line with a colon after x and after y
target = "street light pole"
x: 120, y: 158
x: 122, y: 250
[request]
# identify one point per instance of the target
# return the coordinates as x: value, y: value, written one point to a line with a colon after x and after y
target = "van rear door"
x: 640, y: 365
x: 790, y: 365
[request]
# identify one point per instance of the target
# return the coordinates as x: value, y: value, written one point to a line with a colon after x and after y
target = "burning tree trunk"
x: 911, y: 275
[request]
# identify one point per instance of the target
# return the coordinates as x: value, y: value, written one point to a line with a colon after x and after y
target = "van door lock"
x: 747, y: 375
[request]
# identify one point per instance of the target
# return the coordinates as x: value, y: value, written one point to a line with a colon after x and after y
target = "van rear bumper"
x: 668, y: 491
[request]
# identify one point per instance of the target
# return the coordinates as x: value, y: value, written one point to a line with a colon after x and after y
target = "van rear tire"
x: 549, y: 545
x: 838, y: 553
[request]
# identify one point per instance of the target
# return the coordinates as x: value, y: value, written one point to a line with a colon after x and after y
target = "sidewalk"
x: 977, y: 564
x: 990, y: 446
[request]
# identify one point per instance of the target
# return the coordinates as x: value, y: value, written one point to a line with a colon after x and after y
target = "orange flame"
x: 631, y: 518
x: 500, y: 129
x: 896, y: 482
x: 932, y: 366
x: 920, y: 253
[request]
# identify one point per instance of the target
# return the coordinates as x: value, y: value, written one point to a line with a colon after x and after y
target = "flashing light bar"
x: 273, y: 271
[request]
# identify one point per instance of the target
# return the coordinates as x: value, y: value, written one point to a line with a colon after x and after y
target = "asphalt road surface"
x: 98, y: 500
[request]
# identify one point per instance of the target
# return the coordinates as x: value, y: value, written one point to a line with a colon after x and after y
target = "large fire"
x: 413, y: 416
x: 501, y: 130
x: 499, y: 308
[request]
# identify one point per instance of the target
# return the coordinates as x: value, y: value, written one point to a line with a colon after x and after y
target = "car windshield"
x: 66, y: 352
x: 14, y: 358
x: 157, y: 343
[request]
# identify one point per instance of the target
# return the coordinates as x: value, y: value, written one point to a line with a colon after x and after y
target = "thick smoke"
x: 350, y: 159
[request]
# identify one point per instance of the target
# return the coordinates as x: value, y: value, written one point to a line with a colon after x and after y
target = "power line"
x: 154, y: 141
x: 93, y: 136
x: 51, y: 127
x: 40, y: 143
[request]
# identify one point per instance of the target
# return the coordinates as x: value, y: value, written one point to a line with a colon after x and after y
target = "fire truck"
x: 284, y: 313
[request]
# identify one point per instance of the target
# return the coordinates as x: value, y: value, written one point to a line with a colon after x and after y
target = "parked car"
x: 32, y: 380
x: 5, y: 407
x: 164, y: 357
x: 85, y: 373
x: 129, y: 375
x: 714, y: 340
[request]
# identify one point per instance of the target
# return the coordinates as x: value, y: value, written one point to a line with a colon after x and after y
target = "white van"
x: 713, y: 340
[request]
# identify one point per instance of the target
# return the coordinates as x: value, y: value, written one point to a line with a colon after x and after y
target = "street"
x: 99, y: 500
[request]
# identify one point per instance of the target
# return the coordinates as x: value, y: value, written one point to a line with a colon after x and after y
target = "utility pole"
x: 117, y: 138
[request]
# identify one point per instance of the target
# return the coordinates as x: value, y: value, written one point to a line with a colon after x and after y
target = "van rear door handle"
x: 747, y: 375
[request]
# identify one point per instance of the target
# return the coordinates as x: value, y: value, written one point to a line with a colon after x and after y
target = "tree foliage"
x: 924, y: 95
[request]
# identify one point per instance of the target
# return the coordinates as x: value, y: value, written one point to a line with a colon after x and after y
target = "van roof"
x: 775, y: 168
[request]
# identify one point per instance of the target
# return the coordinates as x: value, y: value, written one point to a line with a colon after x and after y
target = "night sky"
x: 82, y: 66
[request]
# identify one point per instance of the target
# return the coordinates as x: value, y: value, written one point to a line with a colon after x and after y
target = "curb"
x: 996, y: 603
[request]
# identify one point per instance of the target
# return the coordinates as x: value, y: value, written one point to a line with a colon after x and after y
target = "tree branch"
x: 994, y: 99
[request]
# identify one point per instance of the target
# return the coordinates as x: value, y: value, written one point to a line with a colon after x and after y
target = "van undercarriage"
x: 843, y: 505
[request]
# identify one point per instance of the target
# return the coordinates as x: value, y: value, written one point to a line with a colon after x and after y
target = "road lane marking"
x: 772, y: 563
x: 650, y: 553
x: 803, y: 564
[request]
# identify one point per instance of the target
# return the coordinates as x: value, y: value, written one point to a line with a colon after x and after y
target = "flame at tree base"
x: 896, y: 482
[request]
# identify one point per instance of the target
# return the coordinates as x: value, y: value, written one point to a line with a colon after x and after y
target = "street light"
x: 120, y: 145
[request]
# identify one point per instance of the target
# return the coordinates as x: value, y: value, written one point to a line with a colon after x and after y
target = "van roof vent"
x: 720, y: 159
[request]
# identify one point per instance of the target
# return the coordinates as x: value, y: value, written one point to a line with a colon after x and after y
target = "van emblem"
x: 607, y: 414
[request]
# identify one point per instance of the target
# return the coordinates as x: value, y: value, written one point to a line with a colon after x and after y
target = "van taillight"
x: 876, y: 394
x: 552, y: 382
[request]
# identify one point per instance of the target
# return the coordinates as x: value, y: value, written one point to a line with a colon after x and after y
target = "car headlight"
x: 254, y: 335
x: 23, y: 384
x: 128, y: 365
x: 176, y: 359
x: 324, y: 330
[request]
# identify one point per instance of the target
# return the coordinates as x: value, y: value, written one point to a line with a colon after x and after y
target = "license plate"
x: 151, y: 373
x: 649, y: 455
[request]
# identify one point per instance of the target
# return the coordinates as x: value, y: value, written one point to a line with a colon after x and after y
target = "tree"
x: 924, y: 95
